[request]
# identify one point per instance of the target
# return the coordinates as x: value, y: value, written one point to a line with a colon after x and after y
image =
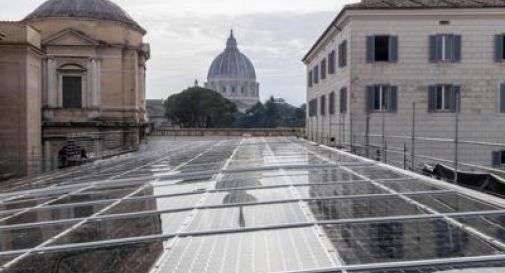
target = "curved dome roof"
x: 95, y: 9
x: 232, y: 64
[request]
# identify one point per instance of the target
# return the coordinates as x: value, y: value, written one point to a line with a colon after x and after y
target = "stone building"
x: 377, y: 58
x: 85, y: 75
x: 232, y: 74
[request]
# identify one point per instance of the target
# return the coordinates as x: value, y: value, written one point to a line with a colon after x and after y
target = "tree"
x: 272, y: 114
x: 198, y: 107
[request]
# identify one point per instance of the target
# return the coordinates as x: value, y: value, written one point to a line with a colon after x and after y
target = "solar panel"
x: 246, y: 205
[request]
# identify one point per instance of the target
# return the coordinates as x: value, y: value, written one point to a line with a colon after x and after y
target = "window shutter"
x: 343, y: 100
x: 455, y: 99
x: 456, y: 46
x: 370, y: 49
x: 343, y: 54
x: 499, y: 48
x: 496, y: 159
x: 370, y: 93
x: 393, y: 99
x: 433, y: 48
x: 432, y: 99
x: 393, y: 49
x: 502, y: 98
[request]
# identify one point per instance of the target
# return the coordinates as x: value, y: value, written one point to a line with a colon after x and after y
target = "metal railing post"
x: 413, y: 138
x: 456, y: 139
x: 404, y: 155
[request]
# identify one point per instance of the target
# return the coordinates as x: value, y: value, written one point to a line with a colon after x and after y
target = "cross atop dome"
x: 232, y: 42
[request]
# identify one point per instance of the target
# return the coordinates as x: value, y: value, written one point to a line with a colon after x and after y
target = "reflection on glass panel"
x: 409, y: 186
x: 263, y: 251
x: 122, y: 259
x: 357, y: 188
x: 361, y: 208
x: 403, y: 241
x: 493, y: 226
x: 28, y: 237
x: 480, y: 267
x: 249, y: 196
x: 448, y: 203
x: 55, y: 214
x: 247, y: 216
x: 374, y: 172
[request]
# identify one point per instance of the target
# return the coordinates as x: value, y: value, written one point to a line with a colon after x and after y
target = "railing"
x: 239, y: 132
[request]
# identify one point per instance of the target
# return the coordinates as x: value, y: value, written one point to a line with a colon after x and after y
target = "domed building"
x: 232, y: 74
x: 86, y: 71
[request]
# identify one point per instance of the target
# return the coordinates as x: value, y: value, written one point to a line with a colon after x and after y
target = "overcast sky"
x: 186, y: 35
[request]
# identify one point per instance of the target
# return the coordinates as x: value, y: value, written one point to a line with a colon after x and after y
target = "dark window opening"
x: 72, y: 91
x: 382, y: 48
x: 323, y: 69
x: 502, y: 157
x: 343, y: 100
x: 323, y: 105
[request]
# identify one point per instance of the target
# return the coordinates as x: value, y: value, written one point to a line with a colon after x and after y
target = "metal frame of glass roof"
x: 251, y: 205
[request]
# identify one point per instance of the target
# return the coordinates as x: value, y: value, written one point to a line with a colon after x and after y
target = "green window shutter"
x: 502, y: 98
x: 370, y: 97
x: 455, y: 99
x: 393, y: 49
x: 433, y: 48
x: 499, y: 48
x: 370, y: 49
x: 432, y: 99
x: 393, y: 99
x: 456, y: 48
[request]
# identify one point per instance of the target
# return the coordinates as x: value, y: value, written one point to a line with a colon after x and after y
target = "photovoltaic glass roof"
x: 223, y: 205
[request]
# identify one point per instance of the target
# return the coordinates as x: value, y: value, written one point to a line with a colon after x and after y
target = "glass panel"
x: 28, y: 237
x: 129, y: 258
x: 250, y: 196
x: 409, y: 186
x: 247, y: 216
x: 404, y: 241
x: 374, y: 172
x: 357, y: 188
x: 479, y: 267
x: 448, y: 203
x: 362, y: 208
x: 263, y: 251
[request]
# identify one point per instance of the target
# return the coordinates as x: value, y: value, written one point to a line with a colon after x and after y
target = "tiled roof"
x: 416, y: 4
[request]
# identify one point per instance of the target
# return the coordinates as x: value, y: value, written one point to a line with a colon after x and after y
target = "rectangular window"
x: 313, y: 108
x: 309, y: 78
x: 443, y: 98
x: 383, y: 48
x: 331, y: 62
x: 445, y: 48
x: 343, y: 100
x: 323, y: 69
x: 382, y: 98
x: 323, y: 105
x: 342, y: 54
x: 316, y: 74
x: 332, y: 103
x: 72, y: 91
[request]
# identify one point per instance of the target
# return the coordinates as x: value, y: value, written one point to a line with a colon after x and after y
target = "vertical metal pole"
x: 367, y: 129
x: 404, y: 155
x: 330, y: 125
x: 384, y: 149
x: 413, y: 138
x: 317, y: 127
x: 456, y: 139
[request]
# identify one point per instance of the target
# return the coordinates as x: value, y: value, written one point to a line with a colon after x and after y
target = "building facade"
x: 232, y: 75
x: 89, y: 78
x: 385, y: 69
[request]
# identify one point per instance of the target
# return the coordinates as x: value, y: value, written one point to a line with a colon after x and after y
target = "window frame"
x: 387, y: 98
x: 332, y: 62
x: 81, y: 91
x: 392, y: 48
x: 445, y: 48
x: 343, y: 100
x: 342, y: 54
x: 316, y: 74
x: 449, y: 98
x: 309, y: 79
